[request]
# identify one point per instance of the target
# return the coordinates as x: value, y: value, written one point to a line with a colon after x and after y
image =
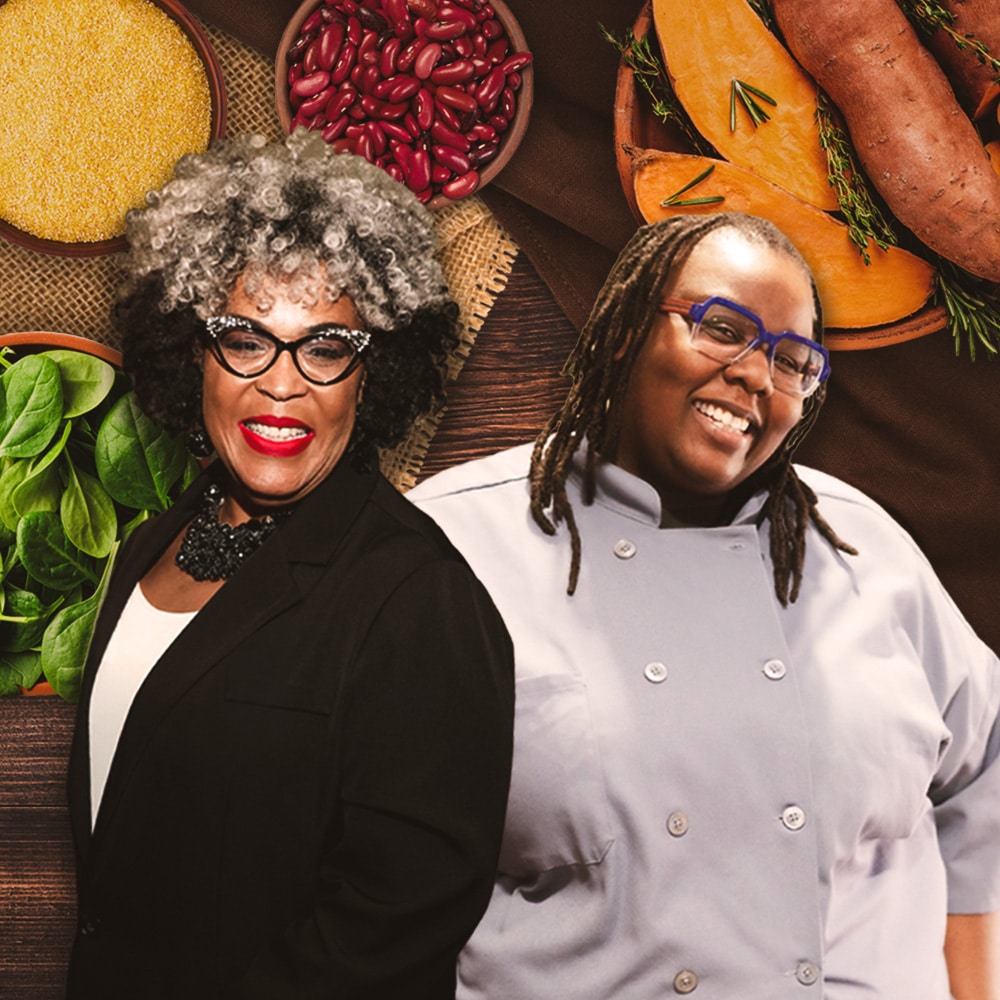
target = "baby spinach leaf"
x: 137, y: 461
x: 17, y: 636
x: 19, y: 670
x: 11, y: 478
x: 88, y: 514
x: 37, y: 491
x: 48, y: 555
x: 65, y: 643
x: 33, y: 406
x: 86, y: 380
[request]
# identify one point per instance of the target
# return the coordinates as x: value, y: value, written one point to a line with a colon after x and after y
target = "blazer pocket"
x: 557, y: 812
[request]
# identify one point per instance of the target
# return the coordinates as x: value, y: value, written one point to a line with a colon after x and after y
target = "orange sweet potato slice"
x: 707, y: 46
x: 854, y: 294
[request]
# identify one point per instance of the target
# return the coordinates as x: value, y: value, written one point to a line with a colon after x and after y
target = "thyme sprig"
x: 747, y: 94
x: 972, y: 306
x: 675, y: 200
x: 650, y: 73
x: 865, y: 220
x: 929, y: 16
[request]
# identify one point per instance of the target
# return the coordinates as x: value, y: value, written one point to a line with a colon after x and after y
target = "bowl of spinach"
x: 80, y: 467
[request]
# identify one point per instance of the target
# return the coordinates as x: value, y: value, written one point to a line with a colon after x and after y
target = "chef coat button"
x: 625, y: 549
x: 774, y: 670
x: 807, y: 973
x: 793, y: 817
x: 737, y: 546
x: 677, y: 824
x: 656, y: 673
x: 685, y: 982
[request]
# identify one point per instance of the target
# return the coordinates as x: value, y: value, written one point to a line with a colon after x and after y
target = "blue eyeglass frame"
x: 215, y: 326
x: 696, y: 311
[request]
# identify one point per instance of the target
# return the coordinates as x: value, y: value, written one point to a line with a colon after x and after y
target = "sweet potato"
x: 707, y: 45
x: 974, y: 82
x: 915, y: 143
x: 894, y: 285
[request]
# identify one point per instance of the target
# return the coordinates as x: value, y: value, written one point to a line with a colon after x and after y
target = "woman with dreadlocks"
x: 755, y: 742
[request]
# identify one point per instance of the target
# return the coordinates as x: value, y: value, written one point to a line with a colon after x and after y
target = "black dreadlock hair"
x: 601, y: 364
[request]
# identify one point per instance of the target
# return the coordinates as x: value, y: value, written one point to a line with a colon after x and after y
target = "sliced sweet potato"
x: 709, y: 44
x: 915, y: 143
x: 895, y: 284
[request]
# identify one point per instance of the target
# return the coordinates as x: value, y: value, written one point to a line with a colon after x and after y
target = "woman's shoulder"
x: 478, y: 474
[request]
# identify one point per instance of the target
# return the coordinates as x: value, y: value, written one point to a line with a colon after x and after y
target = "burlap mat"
x: 74, y: 295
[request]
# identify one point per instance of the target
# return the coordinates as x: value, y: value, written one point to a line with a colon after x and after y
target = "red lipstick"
x: 284, y: 446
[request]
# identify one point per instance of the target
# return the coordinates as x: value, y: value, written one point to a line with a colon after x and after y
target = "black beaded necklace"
x: 211, y: 550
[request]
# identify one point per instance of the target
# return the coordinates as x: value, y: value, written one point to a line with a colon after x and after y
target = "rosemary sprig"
x: 675, y: 201
x: 747, y: 94
x: 650, y: 73
x: 865, y: 220
x: 929, y: 16
x: 972, y: 306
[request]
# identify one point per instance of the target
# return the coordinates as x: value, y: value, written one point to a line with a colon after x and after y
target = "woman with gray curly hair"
x: 293, y: 745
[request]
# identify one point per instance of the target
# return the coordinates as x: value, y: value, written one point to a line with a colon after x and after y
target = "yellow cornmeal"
x: 98, y: 100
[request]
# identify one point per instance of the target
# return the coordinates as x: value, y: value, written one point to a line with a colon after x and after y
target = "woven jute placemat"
x: 74, y: 295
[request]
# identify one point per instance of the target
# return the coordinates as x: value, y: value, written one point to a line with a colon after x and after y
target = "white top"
x: 140, y: 638
x: 715, y: 793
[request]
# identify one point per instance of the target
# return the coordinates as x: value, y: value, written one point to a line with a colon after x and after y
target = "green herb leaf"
x: 137, y: 461
x: 65, y: 644
x: 86, y: 380
x: 38, y: 490
x: 48, y: 555
x: 674, y: 200
x: 19, y: 670
x: 32, y: 406
x: 13, y: 475
x: 88, y: 514
x: 24, y: 619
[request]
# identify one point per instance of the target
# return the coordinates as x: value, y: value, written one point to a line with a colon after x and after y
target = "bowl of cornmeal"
x: 98, y: 101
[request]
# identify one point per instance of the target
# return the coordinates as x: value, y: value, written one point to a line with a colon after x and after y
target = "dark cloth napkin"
x: 911, y: 425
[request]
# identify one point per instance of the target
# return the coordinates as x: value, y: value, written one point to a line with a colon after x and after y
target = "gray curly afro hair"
x: 323, y: 224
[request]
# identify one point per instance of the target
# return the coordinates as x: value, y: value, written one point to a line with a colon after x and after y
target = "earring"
x: 198, y: 443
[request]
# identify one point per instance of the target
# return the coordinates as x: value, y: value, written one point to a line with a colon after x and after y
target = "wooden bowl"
x: 509, y: 140
x: 637, y: 129
x: 217, y: 93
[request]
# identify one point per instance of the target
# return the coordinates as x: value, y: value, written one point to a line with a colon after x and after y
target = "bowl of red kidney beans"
x: 435, y: 92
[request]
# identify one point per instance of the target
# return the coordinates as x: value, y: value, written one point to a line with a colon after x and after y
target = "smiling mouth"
x: 271, y: 432
x: 724, y: 418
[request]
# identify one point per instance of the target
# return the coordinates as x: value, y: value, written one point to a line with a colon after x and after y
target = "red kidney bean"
x: 299, y: 46
x: 424, y: 8
x: 306, y: 86
x: 379, y: 141
x: 445, y: 31
x: 396, y: 172
x: 479, y: 45
x: 310, y: 58
x: 404, y: 30
x: 369, y: 79
x: 354, y: 30
x: 330, y: 42
x: 336, y: 128
x: 457, y: 99
x: 481, y: 132
x: 483, y: 151
x: 427, y: 59
x: 382, y: 109
x: 411, y: 124
x: 354, y: 129
x: 409, y: 55
x: 294, y: 73
x: 394, y: 130
x: 340, y: 102
x: 355, y: 75
x: 420, y: 26
x: 516, y: 62
x: 357, y: 112
x: 349, y: 6
x: 404, y: 88
x: 449, y: 12
x: 368, y: 52
x: 402, y: 153
x: 344, y: 64
x: 300, y: 119
x: 363, y: 146
x: 396, y: 10
x: 317, y: 103
x: 420, y: 170
x: 388, y: 56
x: 461, y: 186
x: 450, y: 157
x: 459, y: 71
x: 423, y: 106
x: 372, y: 20
x: 489, y: 90
x: 514, y: 81
x: 449, y: 116
x: 312, y: 22
x: 499, y: 122
x: 383, y: 88
x: 463, y: 47
x: 497, y: 51
x: 508, y: 103
x: 342, y: 145
x: 440, y: 173
x: 491, y: 29
x: 445, y: 136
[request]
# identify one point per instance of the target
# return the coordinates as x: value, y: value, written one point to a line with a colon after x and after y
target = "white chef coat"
x: 713, y: 794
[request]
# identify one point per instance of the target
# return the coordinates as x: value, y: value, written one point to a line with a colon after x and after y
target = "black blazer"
x: 308, y: 793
